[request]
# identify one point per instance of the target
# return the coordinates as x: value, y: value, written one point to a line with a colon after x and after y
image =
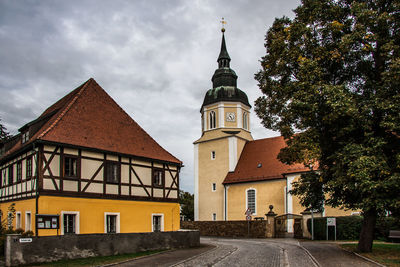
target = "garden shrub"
x: 349, y: 228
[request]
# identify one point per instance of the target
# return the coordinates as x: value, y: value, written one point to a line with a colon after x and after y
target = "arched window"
x: 251, y: 200
x: 245, y: 121
x: 212, y: 120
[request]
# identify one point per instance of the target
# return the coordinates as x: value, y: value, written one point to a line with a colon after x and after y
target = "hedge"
x: 349, y: 228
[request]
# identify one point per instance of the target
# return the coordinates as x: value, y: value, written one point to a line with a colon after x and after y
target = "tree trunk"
x: 367, y: 231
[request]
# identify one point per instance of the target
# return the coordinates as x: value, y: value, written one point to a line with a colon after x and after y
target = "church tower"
x: 225, y: 124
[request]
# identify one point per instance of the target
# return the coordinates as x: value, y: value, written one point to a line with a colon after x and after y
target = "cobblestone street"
x: 254, y: 252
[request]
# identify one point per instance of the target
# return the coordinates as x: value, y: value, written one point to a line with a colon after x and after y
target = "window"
x: 18, y: 220
x: 112, y: 172
x: 28, y: 223
x: 214, y: 187
x: 70, y: 166
x: 212, y: 120
x: 251, y: 200
x: 19, y: 171
x: 111, y: 222
x: 213, y: 155
x: 10, y: 174
x: 28, y: 167
x: 157, y: 222
x: 69, y: 221
x: 25, y: 137
x: 158, y: 178
x: 214, y: 217
x: 245, y: 121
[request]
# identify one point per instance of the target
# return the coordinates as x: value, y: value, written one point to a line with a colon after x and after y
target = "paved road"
x: 330, y: 255
x: 254, y: 252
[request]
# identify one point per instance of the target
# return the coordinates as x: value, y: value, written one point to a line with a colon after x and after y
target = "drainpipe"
x: 225, y: 201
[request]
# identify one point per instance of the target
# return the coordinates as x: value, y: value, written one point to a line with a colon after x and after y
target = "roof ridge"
x: 68, y: 106
x: 115, y: 102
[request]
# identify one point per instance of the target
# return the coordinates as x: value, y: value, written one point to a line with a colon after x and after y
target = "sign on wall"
x: 47, y: 221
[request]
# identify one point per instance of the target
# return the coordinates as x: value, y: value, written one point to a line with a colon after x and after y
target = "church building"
x: 85, y: 166
x: 232, y: 172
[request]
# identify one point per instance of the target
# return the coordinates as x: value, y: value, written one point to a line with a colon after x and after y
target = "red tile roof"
x: 89, y: 117
x: 264, y: 152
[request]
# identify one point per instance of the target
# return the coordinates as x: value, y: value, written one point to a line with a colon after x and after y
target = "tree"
x: 187, y: 204
x: 4, y: 134
x: 331, y: 86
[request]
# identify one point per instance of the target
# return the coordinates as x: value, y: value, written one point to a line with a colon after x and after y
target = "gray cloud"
x: 155, y: 58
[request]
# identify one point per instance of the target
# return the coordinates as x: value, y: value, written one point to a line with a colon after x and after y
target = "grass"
x: 384, y: 253
x: 95, y: 261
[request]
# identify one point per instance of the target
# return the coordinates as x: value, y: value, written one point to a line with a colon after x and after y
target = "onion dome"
x: 224, y: 81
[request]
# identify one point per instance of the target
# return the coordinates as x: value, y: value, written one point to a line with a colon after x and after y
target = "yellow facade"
x: 216, y: 153
x: 267, y: 193
x: 134, y: 216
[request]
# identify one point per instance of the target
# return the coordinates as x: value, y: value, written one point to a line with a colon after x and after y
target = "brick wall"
x: 258, y: 229
x: 52, y: 248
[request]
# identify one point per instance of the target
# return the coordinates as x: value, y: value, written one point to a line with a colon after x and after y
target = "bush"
x: 349, y: 228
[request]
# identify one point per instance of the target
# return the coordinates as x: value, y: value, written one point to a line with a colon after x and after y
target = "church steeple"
x: 223, y: 58
x: 224, y: 80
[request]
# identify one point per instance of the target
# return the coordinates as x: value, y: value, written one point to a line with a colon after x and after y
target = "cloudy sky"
x: 155, y: 58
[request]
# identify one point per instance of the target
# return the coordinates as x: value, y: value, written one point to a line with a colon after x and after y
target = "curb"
x: 314, y: 260
x: 133, y: 259
x: 195, y: 256
x: 361, y: 256
x: 368, y: 259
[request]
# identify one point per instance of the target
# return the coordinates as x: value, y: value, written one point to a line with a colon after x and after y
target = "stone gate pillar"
x: 270, y: 222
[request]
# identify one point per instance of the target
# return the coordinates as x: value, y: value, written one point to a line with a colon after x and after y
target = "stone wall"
x: 51, y: 248
x: 253, y: 229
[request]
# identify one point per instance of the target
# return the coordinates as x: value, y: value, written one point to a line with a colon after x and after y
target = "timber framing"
x: 48, y: 164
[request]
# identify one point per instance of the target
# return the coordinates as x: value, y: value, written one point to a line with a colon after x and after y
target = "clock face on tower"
x: 230, y: 116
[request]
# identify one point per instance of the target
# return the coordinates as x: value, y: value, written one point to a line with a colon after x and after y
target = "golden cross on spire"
x: 223, y: 22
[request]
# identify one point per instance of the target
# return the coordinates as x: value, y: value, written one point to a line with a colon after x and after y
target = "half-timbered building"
x: 85, y: 166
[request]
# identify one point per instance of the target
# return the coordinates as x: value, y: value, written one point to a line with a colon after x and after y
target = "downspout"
x: 225, y: 201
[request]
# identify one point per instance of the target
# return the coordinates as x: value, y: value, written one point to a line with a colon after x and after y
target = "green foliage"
x: 349, y: 228
x: 309, y: 190
x: 187, y: 205
x: 331, y: 86
x: 6, y: 227
x: 4, y: 134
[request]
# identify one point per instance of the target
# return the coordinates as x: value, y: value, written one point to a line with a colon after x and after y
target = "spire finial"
x: 223, y: 22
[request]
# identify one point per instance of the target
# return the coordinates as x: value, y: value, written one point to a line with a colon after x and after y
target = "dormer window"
x: 25, y: 137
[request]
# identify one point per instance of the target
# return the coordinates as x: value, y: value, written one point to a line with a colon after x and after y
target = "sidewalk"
x: 330, y: 254
x: 167, y: 258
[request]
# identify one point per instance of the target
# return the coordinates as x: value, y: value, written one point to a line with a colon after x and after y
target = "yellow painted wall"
x: 267, y: 193
x: 21, y: 206
x: 135, y: 216
x: 212, y: 171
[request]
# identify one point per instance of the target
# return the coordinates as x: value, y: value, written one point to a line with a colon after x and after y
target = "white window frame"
x: 162, y: 221
x: 76, y: 213
x: 28, y: 222
x: 214, y: 217
x: 255, y: 200
x: 213, y: 155
x: 213, y: 187
x: 117, y: 227
x: 245, y: 121
x: 18, y: 220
